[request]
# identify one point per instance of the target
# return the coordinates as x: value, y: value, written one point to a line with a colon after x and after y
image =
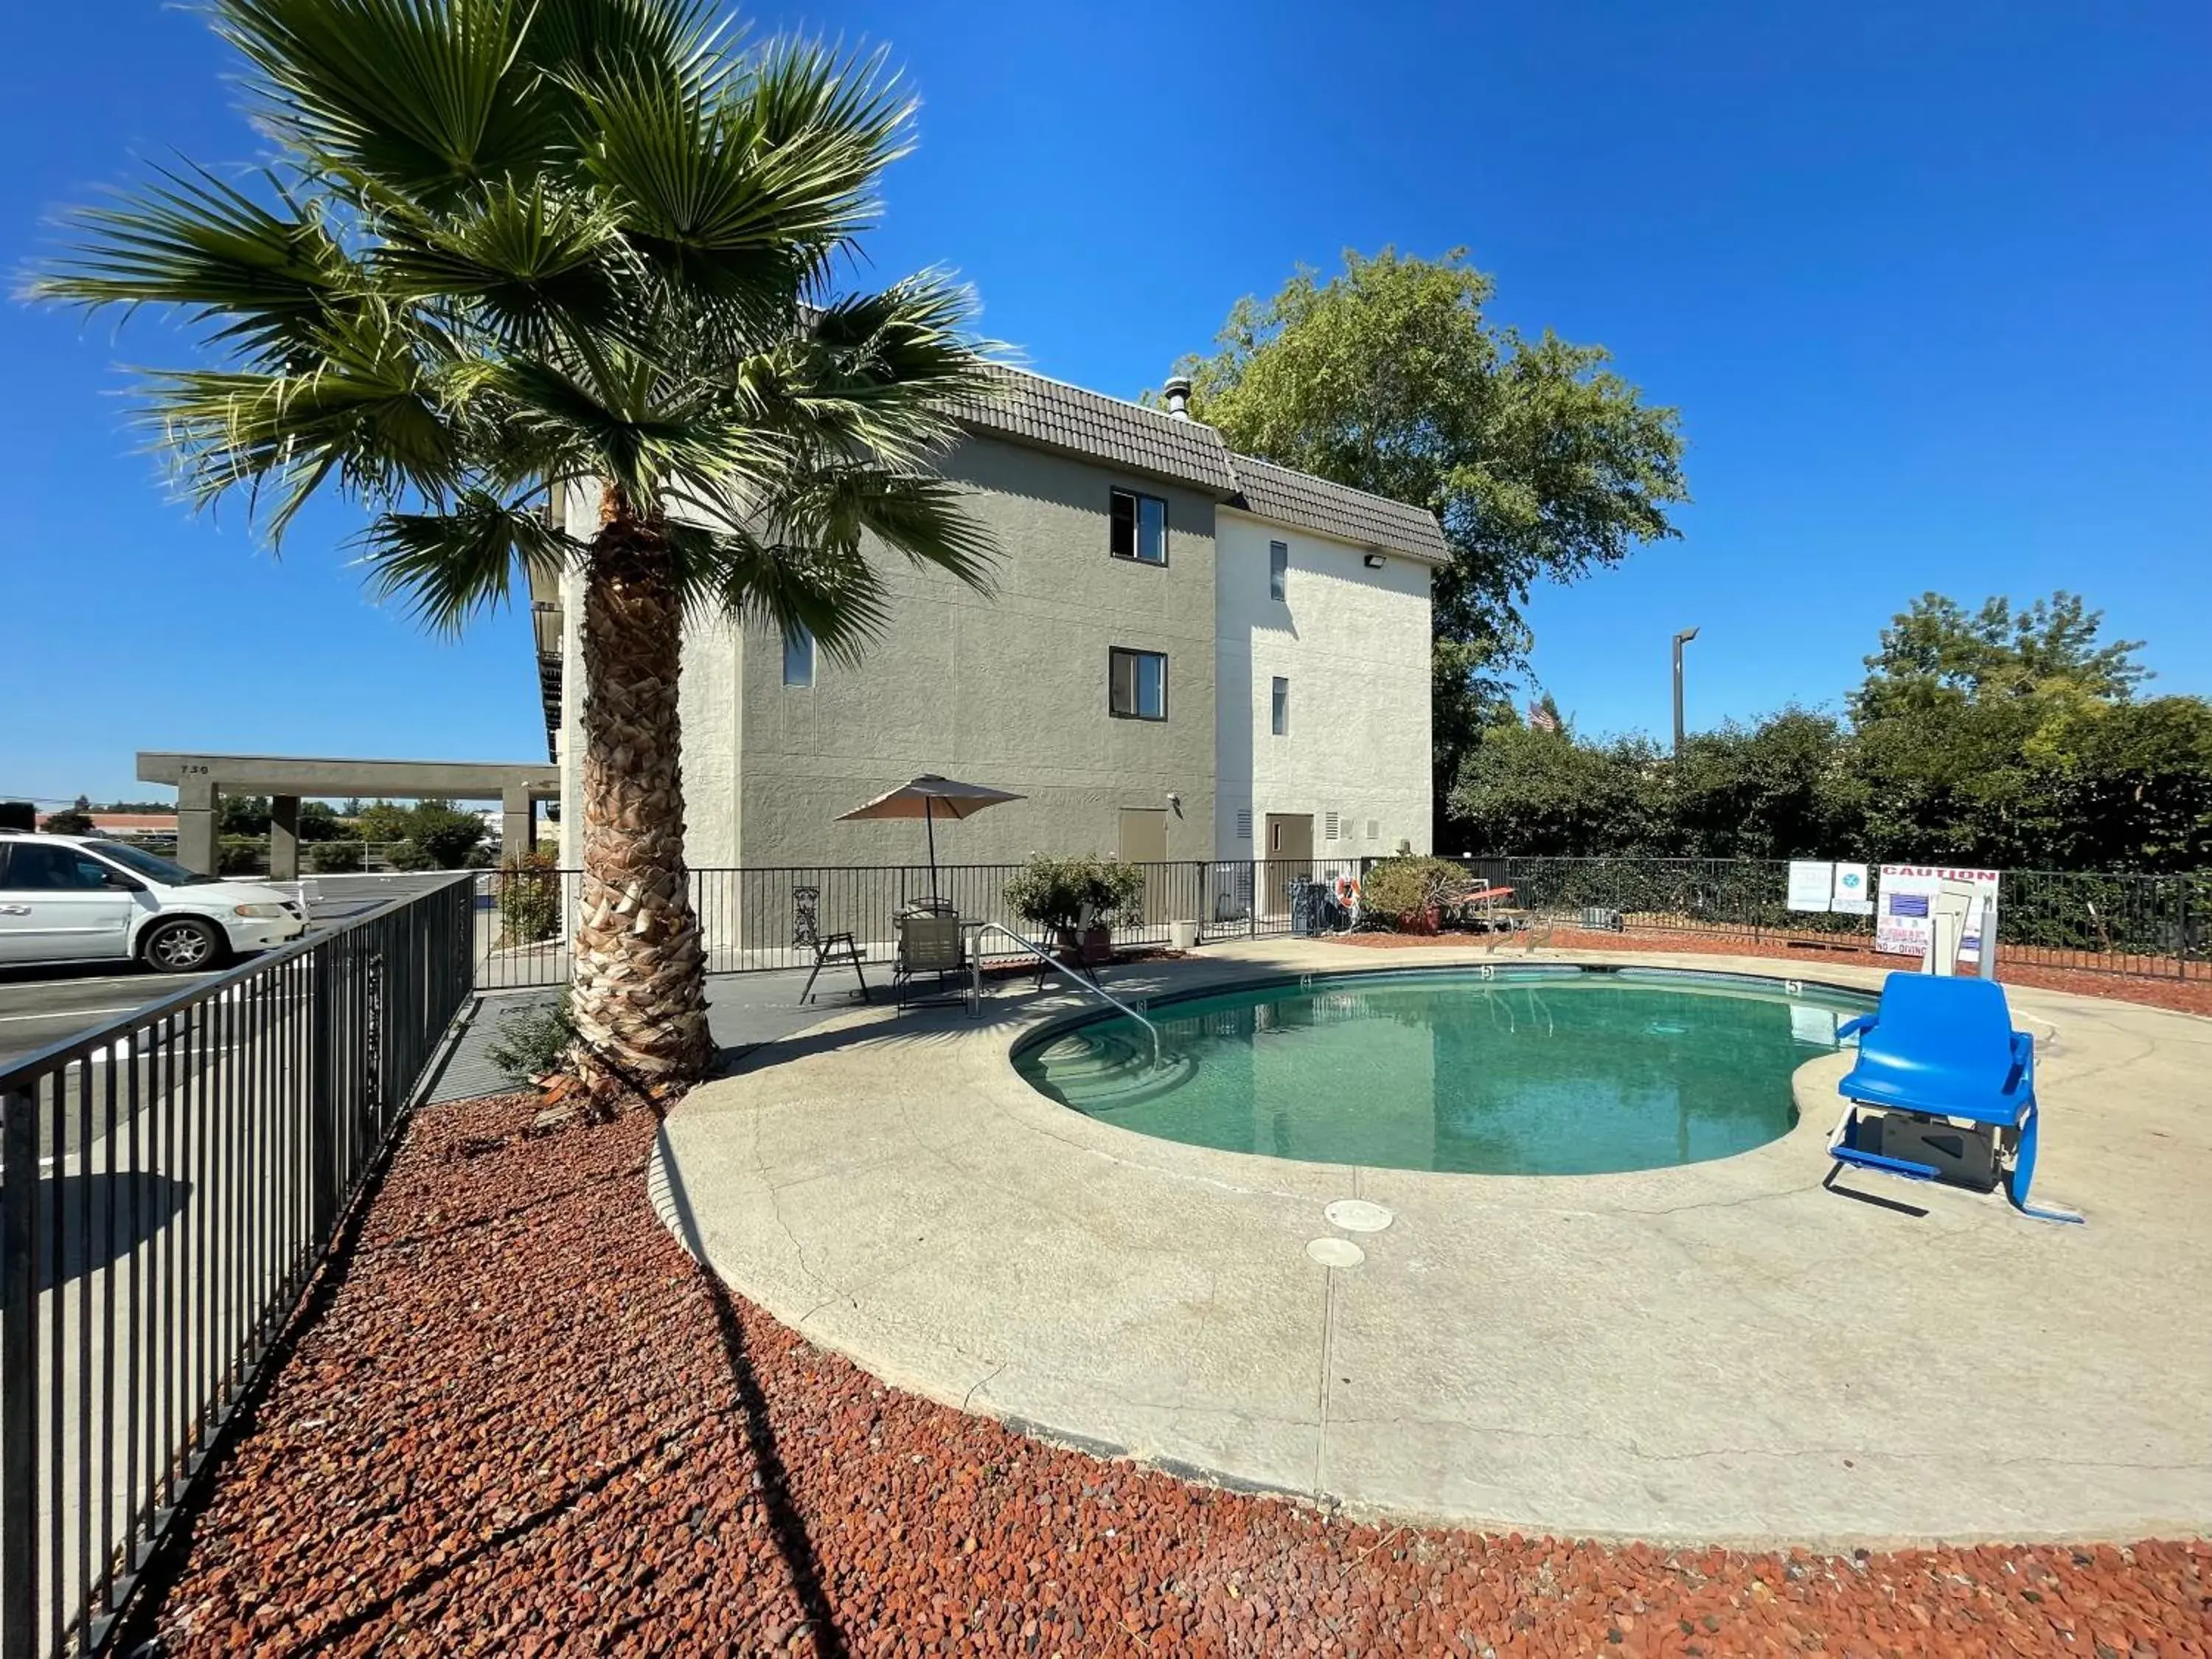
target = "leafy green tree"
x: 444, y: 835
x: 244, y: 815
x: 381, y: 821
x: 1524, y: 790
x: 69, y: 821
x: 1542, y: 463
x: 1935, y: 654
x: 319, y: 822
x: 582, y: 250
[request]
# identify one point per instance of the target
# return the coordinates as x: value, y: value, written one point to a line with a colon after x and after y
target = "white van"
x: 78, y: 898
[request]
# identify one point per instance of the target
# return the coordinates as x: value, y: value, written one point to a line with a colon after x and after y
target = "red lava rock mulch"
x: 2187, y: 996
x: 526, y: 1423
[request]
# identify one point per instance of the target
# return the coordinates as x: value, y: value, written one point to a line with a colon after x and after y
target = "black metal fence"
x: 2155, y: 925
x: 169, y: 1185
x: 2158, y: 925
x: 753, y: 918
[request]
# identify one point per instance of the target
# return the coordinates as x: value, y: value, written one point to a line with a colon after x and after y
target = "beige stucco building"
x: 1134, y: 674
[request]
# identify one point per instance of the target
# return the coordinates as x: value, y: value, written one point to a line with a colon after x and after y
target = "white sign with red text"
x: 1901, y: 924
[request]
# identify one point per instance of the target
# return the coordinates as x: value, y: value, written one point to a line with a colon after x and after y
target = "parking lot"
x: 40, y: 1006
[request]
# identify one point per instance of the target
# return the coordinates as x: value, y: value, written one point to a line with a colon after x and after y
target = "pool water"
x: 1539, y: 1071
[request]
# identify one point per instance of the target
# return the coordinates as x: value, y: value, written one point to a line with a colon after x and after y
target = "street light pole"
x: 1681, y: 640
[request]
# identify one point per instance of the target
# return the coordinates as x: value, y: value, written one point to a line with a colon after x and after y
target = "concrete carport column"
x: 283, y: 838
x: 518, y: 832
x: 197, y: 800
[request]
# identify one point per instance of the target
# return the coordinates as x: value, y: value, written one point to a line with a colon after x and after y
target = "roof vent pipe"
x: 1176, y: 393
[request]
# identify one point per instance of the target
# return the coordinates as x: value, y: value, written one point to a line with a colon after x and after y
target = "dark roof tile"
x: 1291, y: 497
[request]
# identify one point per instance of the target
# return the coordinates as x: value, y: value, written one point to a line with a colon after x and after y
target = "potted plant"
x: 1063, y: 894
x: 1411, y: 890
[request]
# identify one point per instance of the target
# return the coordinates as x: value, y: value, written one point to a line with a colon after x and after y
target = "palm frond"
x: 426, y: 97
x: 267, y: 276
x: 535, y: 257
x: 447, y: 566
x: 370, y: 412
x: 729, y: 569
x: 681, y: 40
x: 748, y: 187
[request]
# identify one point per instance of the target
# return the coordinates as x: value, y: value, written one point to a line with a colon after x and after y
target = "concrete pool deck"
x: 1721, y: 1353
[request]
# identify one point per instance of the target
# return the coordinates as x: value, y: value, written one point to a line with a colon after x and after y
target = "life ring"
x: 1347, y: 889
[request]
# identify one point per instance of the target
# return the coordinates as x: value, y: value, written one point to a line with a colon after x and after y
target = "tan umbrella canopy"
x: 930, y: 797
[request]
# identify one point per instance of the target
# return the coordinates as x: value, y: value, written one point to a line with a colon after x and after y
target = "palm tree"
x: 513, y: 252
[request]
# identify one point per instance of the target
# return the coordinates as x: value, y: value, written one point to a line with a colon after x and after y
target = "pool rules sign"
x: 1903, y: 924
x: 1816, y: 884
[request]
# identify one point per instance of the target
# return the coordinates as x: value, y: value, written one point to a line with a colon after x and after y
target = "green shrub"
x: 69, y: 822
x: 1403, y: 887
x: 445, y: 835
x: 531, y: 1042
x: 242, y: 855
x: 1054, y: 893
x: 331, y: 857
x: 529, y: 899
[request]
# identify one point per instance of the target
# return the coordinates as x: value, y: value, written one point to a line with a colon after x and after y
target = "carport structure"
x: 201, y: 781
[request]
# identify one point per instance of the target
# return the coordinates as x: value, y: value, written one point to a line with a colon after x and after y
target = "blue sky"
x: 1929, y: 284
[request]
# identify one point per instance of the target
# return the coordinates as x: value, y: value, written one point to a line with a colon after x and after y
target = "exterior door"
x: 1287, y: 855
x: 57, y: 904
x: 1145, y: 841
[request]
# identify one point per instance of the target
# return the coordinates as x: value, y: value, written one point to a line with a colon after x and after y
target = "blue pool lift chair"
x: 1940, y: 1056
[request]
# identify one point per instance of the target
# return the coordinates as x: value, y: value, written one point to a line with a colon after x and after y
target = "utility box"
x: 1964, y: 1157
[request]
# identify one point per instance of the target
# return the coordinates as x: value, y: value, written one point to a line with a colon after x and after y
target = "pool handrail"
x: 1078, y: 980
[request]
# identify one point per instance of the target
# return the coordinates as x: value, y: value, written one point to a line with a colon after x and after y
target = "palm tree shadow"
x: 785, y: 1525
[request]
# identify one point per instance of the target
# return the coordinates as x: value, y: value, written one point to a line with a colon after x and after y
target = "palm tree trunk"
x: 639, y: 990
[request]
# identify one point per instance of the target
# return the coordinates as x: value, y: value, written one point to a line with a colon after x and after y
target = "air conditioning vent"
x: 1244, y: 824
x: 1332, y: 827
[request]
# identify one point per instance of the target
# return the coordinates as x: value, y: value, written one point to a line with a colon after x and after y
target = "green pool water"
x: 1531, y: 1072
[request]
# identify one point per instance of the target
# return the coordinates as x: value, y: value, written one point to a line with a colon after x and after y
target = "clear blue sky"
x: 1931, y: 285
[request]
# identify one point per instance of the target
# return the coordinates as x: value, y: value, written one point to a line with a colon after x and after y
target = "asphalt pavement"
x: 40, y: 1006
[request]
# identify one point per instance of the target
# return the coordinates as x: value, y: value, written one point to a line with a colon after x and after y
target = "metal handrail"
x: 1081, y: 983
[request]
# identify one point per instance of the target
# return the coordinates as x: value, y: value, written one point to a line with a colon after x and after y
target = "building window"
x: 1282, y: 706
x: 798, y: 655
x: 1138, y: 528
x: 1278, y: 569
x: 1137, y: 684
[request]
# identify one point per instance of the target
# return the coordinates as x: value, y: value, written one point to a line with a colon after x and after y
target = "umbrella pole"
x: 929, y: 825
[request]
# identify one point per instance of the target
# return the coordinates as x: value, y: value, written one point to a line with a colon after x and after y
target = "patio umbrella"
x: 930, y: 797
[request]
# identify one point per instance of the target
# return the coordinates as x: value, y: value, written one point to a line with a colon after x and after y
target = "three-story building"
x: 1188, y: 654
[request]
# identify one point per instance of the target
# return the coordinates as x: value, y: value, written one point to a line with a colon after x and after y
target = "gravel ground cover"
x: 2189, y: 996
x: 518, y: 1419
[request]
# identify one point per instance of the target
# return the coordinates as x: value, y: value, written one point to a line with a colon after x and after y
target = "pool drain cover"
x: 1336, y: 1253
x: 1357, y: 1215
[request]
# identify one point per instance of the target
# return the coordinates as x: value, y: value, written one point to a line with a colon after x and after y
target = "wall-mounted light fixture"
x: 1373, y: 561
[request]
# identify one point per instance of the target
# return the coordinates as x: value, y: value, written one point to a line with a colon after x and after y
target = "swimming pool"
x: 1542, y: 1070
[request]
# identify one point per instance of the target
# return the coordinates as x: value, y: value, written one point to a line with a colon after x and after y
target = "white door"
x: 57, y: 904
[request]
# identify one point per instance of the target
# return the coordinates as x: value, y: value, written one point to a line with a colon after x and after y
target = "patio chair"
x: 830, y: 950
x: 1944, y: 1088
x: 932, y: 943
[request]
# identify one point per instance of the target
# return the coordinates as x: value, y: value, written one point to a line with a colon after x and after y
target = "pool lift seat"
x: 1943, y: 1087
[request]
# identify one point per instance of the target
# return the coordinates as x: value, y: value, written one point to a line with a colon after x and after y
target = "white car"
x: 79, y: 898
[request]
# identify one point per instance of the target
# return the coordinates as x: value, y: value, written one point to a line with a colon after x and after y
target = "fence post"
x: 19, y: 1377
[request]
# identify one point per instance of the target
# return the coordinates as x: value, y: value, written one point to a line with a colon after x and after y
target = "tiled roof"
x: 1053, y: 414
x: 1032, y: 409
x: 1298, y: 498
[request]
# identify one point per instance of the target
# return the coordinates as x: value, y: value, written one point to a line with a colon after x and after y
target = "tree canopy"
x: 2007, y: 738
x: 1541, y: 462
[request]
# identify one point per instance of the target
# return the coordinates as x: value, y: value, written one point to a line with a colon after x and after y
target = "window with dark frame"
x: 1278, y: 569
x: 1137, y: 527
x: 799, y: 655
x: 1281, y: 711
x: 1136, y: 685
